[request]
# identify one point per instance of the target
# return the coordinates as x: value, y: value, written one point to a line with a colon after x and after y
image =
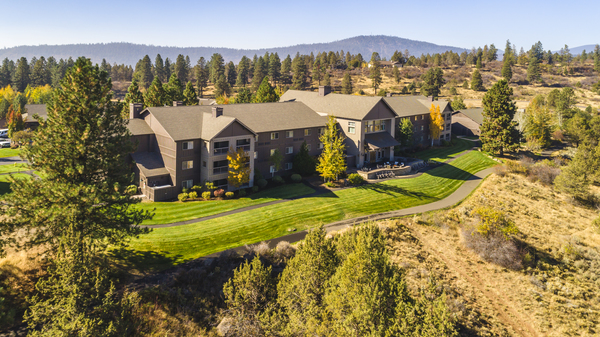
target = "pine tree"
x: 155, y: 95
x: 396, y: 74
x: 20, y: 78
x: 458, y: 103
x: 189, y: 94
x: 597, y: 58
x: 259, y: 73
x: 217, y: 67
x: 433, y: 80
x: 275, y: 68
x: 303, y: 283
x: 299, y: 80
x: 231, y: 74
x: 332, y: 161
x: 286, y: 69
x: 476, y: 81
x: 347, y: 84
x: 167, y: 70
x: 304, y: 164
x: 145, y: 75
x: 5, y: 73
x: 134, y: 95
x: 317, y: 71
x: 159, y: 68
x: 39, y: 75
x: 239, y: 170
x: 375, y: 73
x: 265, y: 93
x: 82, y: 203
x: 243, y: 96
x: 498, y: 131
x: 243, y: 72
x: 404, y: 133
x: 181, y: 69
x: 507, y: 70
x: 326, y: 79
x: 533, y: 70
x: 222, y: 87
x: 173, y: 90
x: 538, y: 123
x: 201, y: 75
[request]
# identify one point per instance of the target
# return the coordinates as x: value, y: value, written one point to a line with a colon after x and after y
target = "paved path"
x: 11, y: 160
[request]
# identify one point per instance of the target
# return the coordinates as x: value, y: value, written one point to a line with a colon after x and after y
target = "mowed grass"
x: 13, y: 168
x: 9, y: 152
x: 169, y: 212
x: 5, y: 182
x: 175, y: 245
x: 442, y: 154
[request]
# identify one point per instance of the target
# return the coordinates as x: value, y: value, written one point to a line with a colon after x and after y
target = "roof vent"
x: 324, y: 90
x: 217, y: 111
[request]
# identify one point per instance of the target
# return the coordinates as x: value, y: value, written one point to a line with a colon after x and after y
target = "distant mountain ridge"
x: 130, y: 53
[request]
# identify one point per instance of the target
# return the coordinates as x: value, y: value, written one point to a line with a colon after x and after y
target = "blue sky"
x: 264, y: 24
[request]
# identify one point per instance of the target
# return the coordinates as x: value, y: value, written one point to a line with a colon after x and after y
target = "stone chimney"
x: 324, y: 90
x: 135, y: 109
x: 177, y: 103
x: 217, y: 111
x: 430, y: 98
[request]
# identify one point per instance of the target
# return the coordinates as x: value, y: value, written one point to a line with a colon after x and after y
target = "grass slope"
x: 5, y: 182
x: 166, y: 246
x: 169, y: 212
x: 13, y: 168
x: 442, y: 154
x: 9, y: 152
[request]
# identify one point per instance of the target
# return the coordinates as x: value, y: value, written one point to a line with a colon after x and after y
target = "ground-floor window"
x: 288, y: 166
x: 187, y: 183
x: 221, y: 183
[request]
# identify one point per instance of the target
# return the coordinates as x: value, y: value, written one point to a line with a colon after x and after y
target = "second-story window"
x: 306, y: 132
x: 289, y: 150
x: 221, y: 147
x: 321, y: 131
x: 289, y: 134
x: 308, y: 147
x: 273, y: 151
x: 188, y: 145
x: 186, y: 165
x: 243, y: 143
x: 352, y: 127
x: 374, y: 126
x: 422, y: 117
x: 220, y: 166
x: 274, y: 135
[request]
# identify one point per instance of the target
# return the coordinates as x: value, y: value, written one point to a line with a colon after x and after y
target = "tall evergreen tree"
x: 533, y: 70
x: 134, y: 95
x: 347, y: 84
x: 243, y: 72
x: 396, y: 74
x: 159, y: 68
x: 39, y: 75
x: 299, y: 80
x: 476, y: 81
x: 231, y: 74
x: 259, y: 73
x: 274, y: 68
x: 20, y: 78
x: 498, y: 131
x: 105, y: 66
x: 145, y: 75
x: 304, y: 164
x: 201, y: 75
x: 375, y: 72
x: 181, y: 69
x: 317, y: 71
x: 5, y: 73
x: 222, y: 87
x: 433, y: 80
x: 155, y: 95
x: 243, y: 96
x: 217, y: 67
x: 506, y: 69
x: 167, y: 69
x: 597, y: 58
x: 286, y: 69
x: 173, y: 90
x: 189, y: 94
x: 265, y: 93
x: 57, y: 73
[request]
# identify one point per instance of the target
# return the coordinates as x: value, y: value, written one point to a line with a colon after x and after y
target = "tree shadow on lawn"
x: 392, y: 190
x: 143, y: 261
x: 450, y: 172
x: 4, y: 187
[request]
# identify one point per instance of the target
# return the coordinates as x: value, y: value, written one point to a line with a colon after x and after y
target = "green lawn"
x: 9, y: 152
x: 169, y: 212
x: 5, y: 184
x: 442, y: 154
x: 13, y: 168
x: 164, y: 247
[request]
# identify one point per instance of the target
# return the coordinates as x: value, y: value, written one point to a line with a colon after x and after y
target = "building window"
x: 272, y: 169
x: 321, y: 131
x: 221, y: 183
x: 220, y: 166
x: 187, y: 184
x: 422, y: 127
x: 221, y: 147
x: 289, y: 134
x: 243, y: 143
x: 188, y: 145
x: 274, y: 135
x: 447, y: 126
x: 273, y: 151
x: 416, y: 118
x: 422, y: 117
x: 289, y: 150
x: 186, y: 165
x: 306, y: 132
x: 320, y: 146
x: 308, y: 147
x: 352, y: 127
x: 288, y: 166
x: 255, y: 154
x: 374, y: 126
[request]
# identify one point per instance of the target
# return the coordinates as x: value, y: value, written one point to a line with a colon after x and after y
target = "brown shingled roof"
x: 338, y: 105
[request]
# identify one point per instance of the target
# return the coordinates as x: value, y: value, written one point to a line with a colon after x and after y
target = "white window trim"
x: 289, y: 150
x: 187, y: 183
x: 190, y: 145
x: 274, y: 135
x: 272, y: 169
x: 184, y: 165
x: 289, y: 134
x: 288, y: 166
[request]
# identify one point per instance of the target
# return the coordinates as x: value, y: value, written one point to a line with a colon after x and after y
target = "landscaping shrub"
x: 261, y: 249
x: 501, y: 170
x: 330, y: 184
x: 355, y: 179
x: 229, y: 195
x: 184, y: 190
x: 296, y: 178
x: 206, y: 195
x: 544, y: 172
x: 183, y: 196
x: 278, y: 180
x: 193, y: 195
x: 242, y: 193
x: 197, y: 188
x: 514, y: 166
x: 219, y: 193
x: 262, y: 183
x: 255, y: 189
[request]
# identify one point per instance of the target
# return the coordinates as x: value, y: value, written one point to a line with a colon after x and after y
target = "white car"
x: 3, y: 133
x: 4, y: 143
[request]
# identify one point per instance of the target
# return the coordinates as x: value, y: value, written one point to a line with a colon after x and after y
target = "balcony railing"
x: 219, y: 170
x: 222, y: 150
x: 244, y: 147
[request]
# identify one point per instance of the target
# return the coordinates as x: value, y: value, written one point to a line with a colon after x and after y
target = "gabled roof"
x: 150, y: 163
x: 338, y: 105
x: 406, y: 106
x: 266, y: 117
x: 139, y: 127
x: 475, y: 114
x: 35, y: 109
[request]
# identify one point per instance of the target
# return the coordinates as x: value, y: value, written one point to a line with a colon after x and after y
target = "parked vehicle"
x: 4, y: 143
x: 3, y: 133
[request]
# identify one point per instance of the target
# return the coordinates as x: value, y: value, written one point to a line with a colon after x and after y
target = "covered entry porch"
x: 379, y: 147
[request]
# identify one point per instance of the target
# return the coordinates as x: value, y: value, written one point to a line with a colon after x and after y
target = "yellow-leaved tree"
x: 436, y: 122
x: 332, y: 159
x: 239, y: 167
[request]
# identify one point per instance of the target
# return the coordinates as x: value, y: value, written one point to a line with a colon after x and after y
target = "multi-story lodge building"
x: 183, y: 146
